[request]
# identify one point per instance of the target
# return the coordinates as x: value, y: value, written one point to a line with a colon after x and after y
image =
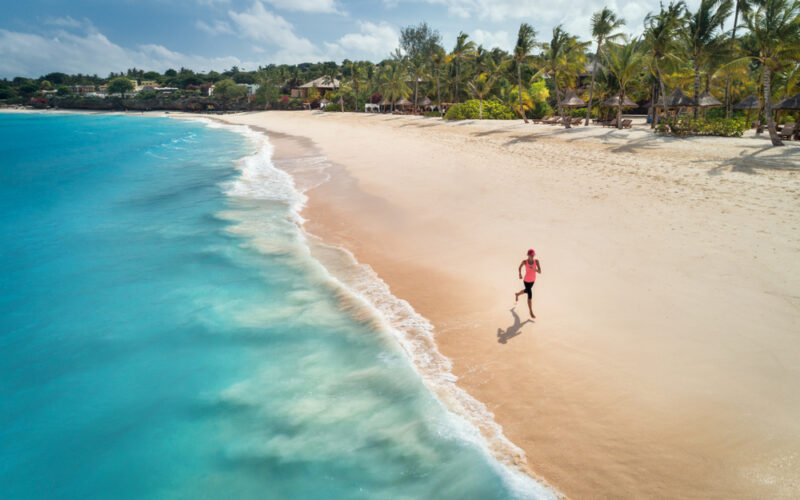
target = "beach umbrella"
x: 677, y: 99
x: 324, y: 101
x: 706, y: 100
x: 613, y: 102
x: 572, y: 101
x: 403, y: 102
x: 424, y: 102
x: 792, y: 103
x: 749, y: 103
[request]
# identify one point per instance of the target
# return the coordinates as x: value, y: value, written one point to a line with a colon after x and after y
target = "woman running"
x: 532, y: 267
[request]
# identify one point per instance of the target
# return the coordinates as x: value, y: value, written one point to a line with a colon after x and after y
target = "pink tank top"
x: 530, y: 271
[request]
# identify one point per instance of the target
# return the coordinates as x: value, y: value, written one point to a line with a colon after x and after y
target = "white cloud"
x: 374, y: 41
x: 491, y: 40
x: 260, y: 25
x: 324, y: 6
x: 544, y: 14
x: 66, y: 22
x: 217, y: 28
x: 28, y: 54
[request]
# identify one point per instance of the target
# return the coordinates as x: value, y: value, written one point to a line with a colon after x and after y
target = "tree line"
x: 728, y: 48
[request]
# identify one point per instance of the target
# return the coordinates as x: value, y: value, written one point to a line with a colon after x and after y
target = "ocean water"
x: 166, y: 333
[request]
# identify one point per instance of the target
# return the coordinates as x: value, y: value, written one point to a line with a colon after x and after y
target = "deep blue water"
x: 163, y: 335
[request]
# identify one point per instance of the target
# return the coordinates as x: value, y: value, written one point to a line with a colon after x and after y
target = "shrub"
x: 685, y: 125
x: 431, y: 114
x: 470, y: 110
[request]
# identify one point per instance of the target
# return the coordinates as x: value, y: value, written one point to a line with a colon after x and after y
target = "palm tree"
x: 525, y: 44
x: 358, y: 78
x: 392, y: 81
x: 562, y: 59
x: 702, y: 35
x: 660, y: 30
x: 438, y: 59
x: 741, y: 6
x: 330, y: 77
x: 461, y: 51
x: 775, y: 29
x: 625, y: 63
x: 417, y: 69
x: 604, y: 23
x: 480, y: 87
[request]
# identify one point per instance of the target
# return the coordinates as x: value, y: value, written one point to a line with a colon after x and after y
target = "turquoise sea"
x: 166, y: 333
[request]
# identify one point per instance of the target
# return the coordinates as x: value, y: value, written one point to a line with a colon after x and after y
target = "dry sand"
x: 665, y: 358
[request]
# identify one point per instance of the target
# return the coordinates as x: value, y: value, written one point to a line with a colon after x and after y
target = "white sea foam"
x: 363, y: 292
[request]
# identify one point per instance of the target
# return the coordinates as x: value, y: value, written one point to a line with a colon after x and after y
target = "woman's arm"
x: 538, y: 267
x: 521, y: 265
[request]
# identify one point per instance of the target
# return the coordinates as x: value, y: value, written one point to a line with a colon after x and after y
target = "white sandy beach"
x: 665, y: 357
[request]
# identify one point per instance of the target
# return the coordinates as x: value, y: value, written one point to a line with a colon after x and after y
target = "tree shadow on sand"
x: 513, y: 330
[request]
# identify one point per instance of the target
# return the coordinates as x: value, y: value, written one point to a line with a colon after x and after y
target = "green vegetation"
x: 728, y: 48
x: 120, y: 85
x: 682, y: 126
x: 475, y: 110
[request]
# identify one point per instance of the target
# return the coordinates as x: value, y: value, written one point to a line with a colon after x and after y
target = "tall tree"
x: 392, y: 81
x: 331, y: 77
x: 604, y: 23
x: 775, y: 28
x: 358, y: 78
x: 461, y: 51
x: 438, y: 60
x: 624, y: 61
x: 417, y: 70
x: 660, y: 39
x: 702, y: 35
x: 526, y: 41
x: 740, y: 6
x: 563, y: 60
x: 120, y: 85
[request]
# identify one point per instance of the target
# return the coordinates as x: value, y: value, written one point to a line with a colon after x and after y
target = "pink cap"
x: 531, y: 252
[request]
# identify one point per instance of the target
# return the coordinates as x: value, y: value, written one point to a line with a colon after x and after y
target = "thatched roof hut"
x: 403, y: 102
x: 424, y: 102
x: 749, y: 102
x: 706, y: 100
x: 677, y: 99
x: 613, y: 102
x: 385, y: 102
x: 792, y: 102
x: 324, y: 101
x: 572, y: 101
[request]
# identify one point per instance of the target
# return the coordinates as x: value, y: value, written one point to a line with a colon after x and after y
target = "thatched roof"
x: 613, y: 102
x: 424, y: 102
x: 572, y: 101
x: 324, y: 101
x: 677, y: 99
x: 706, y: 100
x: 749, y: 102
x: 385, y: 102
x: 792, y: 102
x: 321, y: 83
x: 403, y: 102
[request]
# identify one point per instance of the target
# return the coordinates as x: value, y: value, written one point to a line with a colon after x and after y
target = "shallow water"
x: 167, y: 334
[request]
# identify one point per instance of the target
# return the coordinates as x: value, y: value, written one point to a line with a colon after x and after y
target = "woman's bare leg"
x: 530, y: 309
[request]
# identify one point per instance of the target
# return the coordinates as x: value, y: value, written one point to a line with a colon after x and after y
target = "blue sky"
x: 93, y: 36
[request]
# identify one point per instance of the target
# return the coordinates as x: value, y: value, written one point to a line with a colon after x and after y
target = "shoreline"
x: 649, y: 414
x: 368, y: 299
x: 595, y: 405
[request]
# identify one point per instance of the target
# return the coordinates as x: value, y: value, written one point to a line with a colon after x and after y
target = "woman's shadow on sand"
x: 513, y: 330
